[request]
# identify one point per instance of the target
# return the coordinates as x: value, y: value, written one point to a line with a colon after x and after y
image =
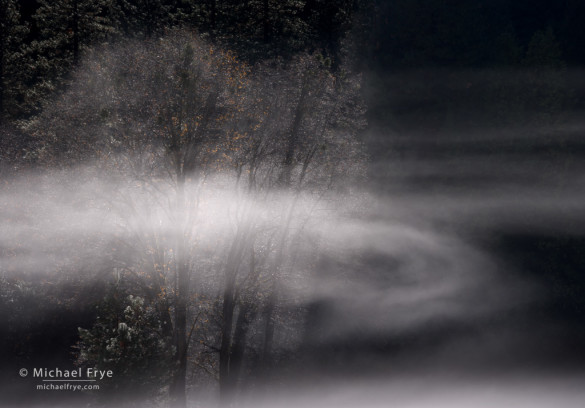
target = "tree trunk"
x: 228, y: 307
x: 285, y: 181
x: 178, y: 396
x: 273, y: 297
x: 225, y: 390
x: 269, y: 328
x: 227, y: 374
x: 293, y: 136
x: 245, y: 316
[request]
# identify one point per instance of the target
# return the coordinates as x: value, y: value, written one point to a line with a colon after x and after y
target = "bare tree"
x: 156, y: 117
x: 170, y: 123
x: 303, y: 147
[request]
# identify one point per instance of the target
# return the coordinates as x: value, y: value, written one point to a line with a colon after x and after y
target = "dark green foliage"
x: 67, y: 27
x: 273, y: 27
x: 332, y: 21
x: 261, y: 29
x: 64, y: 29
x: 395, y: 34
x: 12, y: 34
x: 14, y: 148
x: 36, y: 67
x: 145, y: 18
x: 127, y: 338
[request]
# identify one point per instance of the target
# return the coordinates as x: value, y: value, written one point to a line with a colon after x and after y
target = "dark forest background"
x: 43, y: 41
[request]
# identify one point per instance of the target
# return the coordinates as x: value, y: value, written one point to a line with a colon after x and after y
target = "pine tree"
x: 66, y: 28
x: 331, y: 21
x: 12, y: 34
x: 263, y: 29
x: 128, y: 339
x: 145, y: 18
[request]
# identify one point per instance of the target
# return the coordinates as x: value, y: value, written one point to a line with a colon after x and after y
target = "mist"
x: 264, y: 240
x: 409, y: 282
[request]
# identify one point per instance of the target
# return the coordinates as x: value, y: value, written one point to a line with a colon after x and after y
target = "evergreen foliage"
x: 12, y: 77
x: 127, y: 338
x: 144, y: 18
